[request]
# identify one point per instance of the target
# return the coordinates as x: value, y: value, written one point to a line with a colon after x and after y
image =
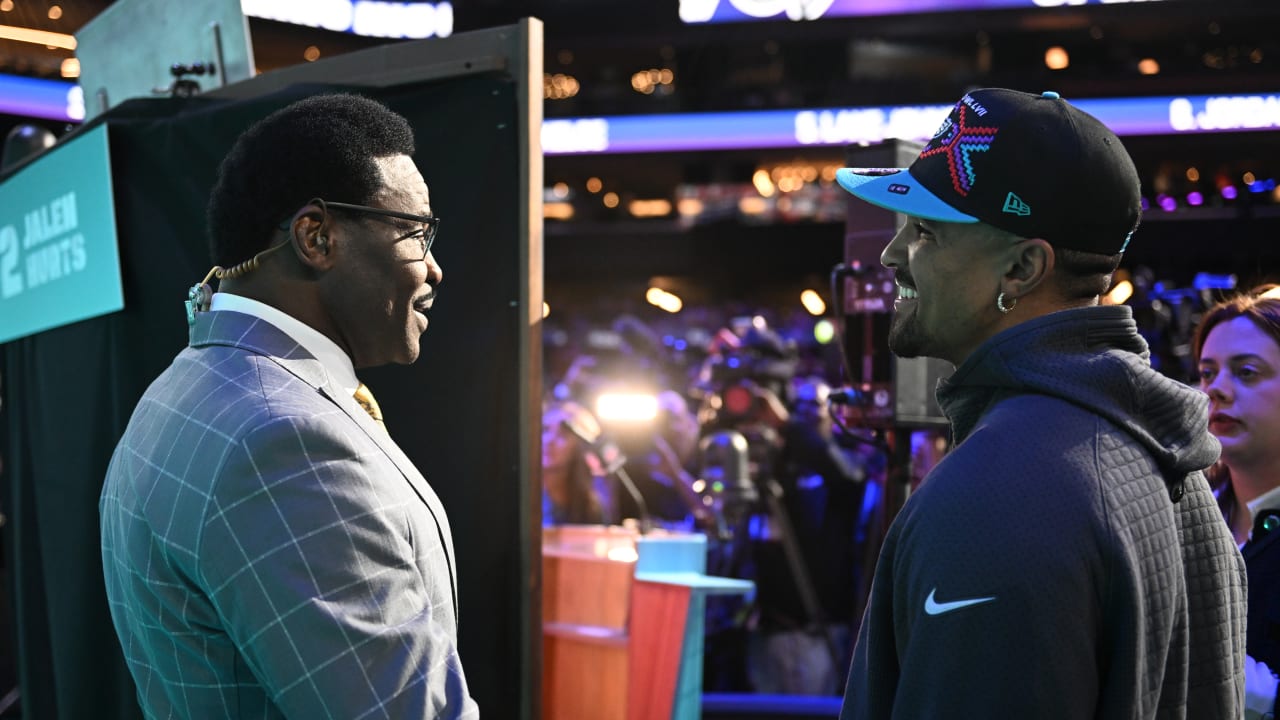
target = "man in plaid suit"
x: 269, y: 551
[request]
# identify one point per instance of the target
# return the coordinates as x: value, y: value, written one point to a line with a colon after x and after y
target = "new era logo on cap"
x: 1014, y: 205
x: 999, y: 154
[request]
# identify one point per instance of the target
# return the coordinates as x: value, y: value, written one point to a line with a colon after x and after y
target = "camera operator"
x: 575, y: 488
x: 675, y: 445
x: 744, y: 385
x: 740, y: 386
x: 650, y: 432
x: 793, y: 531
x: 802, y: 644
x: 739, y: 393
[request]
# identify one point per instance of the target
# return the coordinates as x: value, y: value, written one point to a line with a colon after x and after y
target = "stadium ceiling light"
x: 38, y: 37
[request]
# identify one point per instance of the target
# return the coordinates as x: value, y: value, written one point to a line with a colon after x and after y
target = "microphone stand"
x: 614, y: 467
x: 646, y: 520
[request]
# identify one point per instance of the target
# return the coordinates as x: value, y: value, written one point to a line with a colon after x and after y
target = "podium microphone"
x: 613, y: 461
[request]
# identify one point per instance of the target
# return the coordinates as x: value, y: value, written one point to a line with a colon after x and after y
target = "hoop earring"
x: 1000, y: 304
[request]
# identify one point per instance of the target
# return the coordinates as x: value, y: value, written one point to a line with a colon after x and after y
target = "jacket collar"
x: 1092, y: 357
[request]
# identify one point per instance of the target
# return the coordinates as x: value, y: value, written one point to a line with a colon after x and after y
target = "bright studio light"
x: 813, y: 302
x: 1121, y: 292
x: 557, y: 210
x: 626, y: 407
x: 764, y: 183
x: 1056, y: 58
x: 37, y: 37
x: 666, y: 300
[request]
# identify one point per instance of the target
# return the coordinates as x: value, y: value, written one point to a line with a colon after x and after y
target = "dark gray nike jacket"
x: 1066, y: 559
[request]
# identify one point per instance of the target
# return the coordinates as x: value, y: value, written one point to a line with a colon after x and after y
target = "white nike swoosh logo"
x: 933, y: 607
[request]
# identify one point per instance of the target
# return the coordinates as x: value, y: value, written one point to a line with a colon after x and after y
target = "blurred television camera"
x: 626, y: 379
x: 746, y: 380
x: 1167, y: 315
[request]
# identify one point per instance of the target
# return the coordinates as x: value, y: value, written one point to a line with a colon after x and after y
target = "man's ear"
x: 1030, y: 262
x: 309, y: 232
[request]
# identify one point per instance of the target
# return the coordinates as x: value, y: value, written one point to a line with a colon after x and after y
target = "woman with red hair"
x: 1237, y: 352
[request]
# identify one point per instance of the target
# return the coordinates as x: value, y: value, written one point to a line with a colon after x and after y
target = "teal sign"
x: 59, y: 260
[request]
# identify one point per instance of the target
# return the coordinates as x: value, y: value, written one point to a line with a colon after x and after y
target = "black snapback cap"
x: 1033, y: 165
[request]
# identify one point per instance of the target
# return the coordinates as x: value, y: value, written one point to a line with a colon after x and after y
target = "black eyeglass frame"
x: 430, y: 223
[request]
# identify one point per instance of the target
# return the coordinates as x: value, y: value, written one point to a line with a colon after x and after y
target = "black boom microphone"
x: 612, y: 460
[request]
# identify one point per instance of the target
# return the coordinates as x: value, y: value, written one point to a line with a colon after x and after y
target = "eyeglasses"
x: 426, y: 235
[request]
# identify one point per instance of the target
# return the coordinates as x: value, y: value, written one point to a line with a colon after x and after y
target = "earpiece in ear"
x: 322, y: 242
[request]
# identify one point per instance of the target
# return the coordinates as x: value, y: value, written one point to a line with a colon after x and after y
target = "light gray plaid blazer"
x: 269, y: 551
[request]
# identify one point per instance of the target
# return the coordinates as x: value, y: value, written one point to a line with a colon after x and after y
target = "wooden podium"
x: 623, y: 619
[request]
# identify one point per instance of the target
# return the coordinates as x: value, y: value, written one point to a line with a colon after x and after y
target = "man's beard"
x: 906, y: 339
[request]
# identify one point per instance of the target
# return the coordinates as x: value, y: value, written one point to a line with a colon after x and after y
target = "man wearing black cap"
x: 1064, y: 560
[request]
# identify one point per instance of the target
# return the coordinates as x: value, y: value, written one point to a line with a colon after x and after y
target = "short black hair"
x: 1078, y: 274
x: 1084, y: 275
x: 322, y: 146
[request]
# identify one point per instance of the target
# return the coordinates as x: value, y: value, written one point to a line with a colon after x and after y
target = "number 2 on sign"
x: 10, y: 279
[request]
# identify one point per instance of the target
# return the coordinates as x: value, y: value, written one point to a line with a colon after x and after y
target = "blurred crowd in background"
x: 741, y: 422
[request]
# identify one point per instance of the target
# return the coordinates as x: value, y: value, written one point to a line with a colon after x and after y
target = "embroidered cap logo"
x: 943, y: 128
x: 1014, y: 205
x: 1056, y: 173
x: 959, y: 142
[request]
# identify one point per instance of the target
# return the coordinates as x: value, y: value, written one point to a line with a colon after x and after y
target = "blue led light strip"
x: 46, y: 99
x: 1166, y: 115
x: 757, y: 129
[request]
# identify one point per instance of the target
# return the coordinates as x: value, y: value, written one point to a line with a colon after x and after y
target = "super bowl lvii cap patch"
x: 1033, y: 165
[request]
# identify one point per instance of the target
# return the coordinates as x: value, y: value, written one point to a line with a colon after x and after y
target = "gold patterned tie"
x: 365, y: 399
